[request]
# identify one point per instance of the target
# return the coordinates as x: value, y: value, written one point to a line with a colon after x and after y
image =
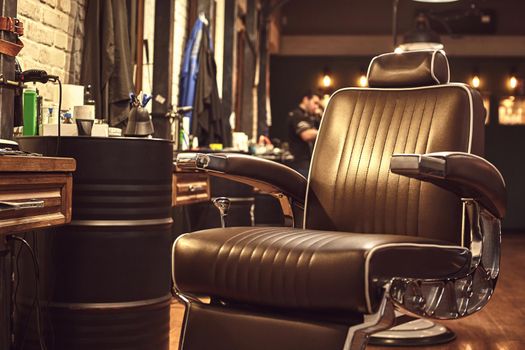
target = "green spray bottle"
x: 30, y: 115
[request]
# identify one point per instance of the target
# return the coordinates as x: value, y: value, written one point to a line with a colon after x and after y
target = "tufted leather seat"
x: 396, y: 168
x: 306, y: 269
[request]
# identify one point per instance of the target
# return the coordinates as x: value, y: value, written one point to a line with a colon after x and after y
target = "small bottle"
x: 30, y: 111
x: 89, y: 100
x: 39, y: 117
x: 88, y: 96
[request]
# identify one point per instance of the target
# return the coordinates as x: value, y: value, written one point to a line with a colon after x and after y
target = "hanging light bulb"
x: 475, y: 82
x: 363, y: 81
x: 513, y: 82
x: 327, y: 81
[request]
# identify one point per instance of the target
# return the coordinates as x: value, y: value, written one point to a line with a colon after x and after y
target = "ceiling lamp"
x: 423, y: 37
x: 475, y: 80
x: 363, y: 80
x: 512, y: 82
x: 327, y: 81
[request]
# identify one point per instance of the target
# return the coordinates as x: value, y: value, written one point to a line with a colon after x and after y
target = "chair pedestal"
x: 415, y: 332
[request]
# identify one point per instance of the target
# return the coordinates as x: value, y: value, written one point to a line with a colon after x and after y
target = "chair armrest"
x: 268, y: 176
x: 465, y: 174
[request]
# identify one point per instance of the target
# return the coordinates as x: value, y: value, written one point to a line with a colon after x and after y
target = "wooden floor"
x: 499, y: 326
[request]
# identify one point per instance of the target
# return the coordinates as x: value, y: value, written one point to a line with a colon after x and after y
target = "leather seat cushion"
x: 306, y: 269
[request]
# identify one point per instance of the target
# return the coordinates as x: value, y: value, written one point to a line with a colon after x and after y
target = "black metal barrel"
x: 105, y: 278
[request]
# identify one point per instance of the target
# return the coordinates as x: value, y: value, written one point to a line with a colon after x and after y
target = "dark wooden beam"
x: 262, y: 88
x: 230, y: 15
x: 7, y: 69
x: 140, y: 46
x: 249, y: 66
x: 162, y: 66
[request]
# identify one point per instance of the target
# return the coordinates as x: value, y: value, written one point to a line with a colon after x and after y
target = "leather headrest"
x: 409, y: 69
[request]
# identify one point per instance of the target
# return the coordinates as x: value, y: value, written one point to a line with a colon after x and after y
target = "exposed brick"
x: 30, y: 50
x: 53, y: 36
x: 56, y: 19
x: 58, y: 58
x: 65, y: 5
x: 30, y: 9
x: 40, y: 33
x: 61, y: 40
x: 44, y: 54
x: 52, y: 3
x: 60, y: 72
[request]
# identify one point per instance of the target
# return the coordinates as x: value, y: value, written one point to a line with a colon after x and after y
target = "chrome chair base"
x: 415, y: 332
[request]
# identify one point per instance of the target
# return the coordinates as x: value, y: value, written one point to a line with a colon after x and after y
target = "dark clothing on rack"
x: 107, y: 63
x: 299, y: 121
x: 208, y: 123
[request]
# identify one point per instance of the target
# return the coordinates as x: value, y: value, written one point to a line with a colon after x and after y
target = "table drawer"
x: 31, y: 201
x: 190, y: 188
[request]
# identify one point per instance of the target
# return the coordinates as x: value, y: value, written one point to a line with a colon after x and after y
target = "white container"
x: 72, y: 95
x: 100, y: 130
x: 84, y: 112
x: 52, y: 130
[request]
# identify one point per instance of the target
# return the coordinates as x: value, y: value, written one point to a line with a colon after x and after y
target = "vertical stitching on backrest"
x: 396, y: 133
x: 399, y: 177
x: 353, y: 147
x: 421, y: 182
x: 420, y: 119
x: 363, y: 206
x: 339, y: 161
x: 353, y: 192
x: 374, y: 203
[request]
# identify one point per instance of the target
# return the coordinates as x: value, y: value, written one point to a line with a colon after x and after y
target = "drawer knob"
x: 195, y: 188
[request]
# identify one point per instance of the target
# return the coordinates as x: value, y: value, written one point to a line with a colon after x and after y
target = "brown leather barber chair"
x: 400, y: 213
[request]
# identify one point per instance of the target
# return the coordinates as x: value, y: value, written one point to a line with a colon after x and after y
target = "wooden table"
x: 35, y: 192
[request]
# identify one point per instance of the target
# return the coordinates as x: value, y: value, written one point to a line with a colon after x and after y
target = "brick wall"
x: 53, y: 37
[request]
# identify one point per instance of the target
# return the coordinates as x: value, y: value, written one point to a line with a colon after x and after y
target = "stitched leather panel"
x: 298, y: 269
x: 351, y: 187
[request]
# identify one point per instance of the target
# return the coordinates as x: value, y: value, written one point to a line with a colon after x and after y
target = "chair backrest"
x: 409, y: 107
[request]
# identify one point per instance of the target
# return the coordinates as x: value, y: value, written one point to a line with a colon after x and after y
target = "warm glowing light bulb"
x: 513, y: 82
x: 475, y: 82
x: 398, y: 50
x: 363, y: 81
x: 327, y: 81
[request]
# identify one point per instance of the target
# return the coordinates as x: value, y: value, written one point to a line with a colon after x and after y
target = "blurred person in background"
x: 303, y: 124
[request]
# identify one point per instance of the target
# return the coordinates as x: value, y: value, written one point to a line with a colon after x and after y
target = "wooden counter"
x: 35, y: 192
